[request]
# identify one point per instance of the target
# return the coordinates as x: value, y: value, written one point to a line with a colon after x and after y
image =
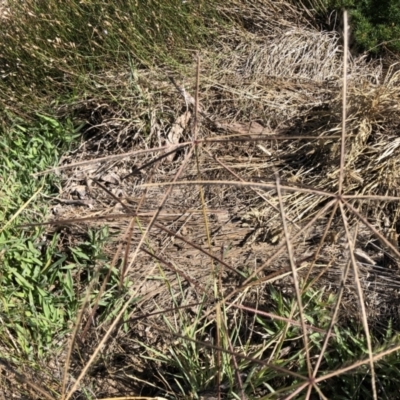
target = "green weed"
x: 37, y: 295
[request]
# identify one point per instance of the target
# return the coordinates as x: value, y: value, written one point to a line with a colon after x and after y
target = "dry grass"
x: 281, y: 196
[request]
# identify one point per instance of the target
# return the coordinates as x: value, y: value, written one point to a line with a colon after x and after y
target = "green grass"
x: 375, y: 24
x: 195, y: 364
x: 37, y: 281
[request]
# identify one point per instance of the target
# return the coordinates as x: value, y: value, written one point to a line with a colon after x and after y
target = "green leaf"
x: 21, y: 280
x: 51, y: 121
x: 46, y: 310
x: 69, y: 285
x: 68, y: 266
x: 79, y: 253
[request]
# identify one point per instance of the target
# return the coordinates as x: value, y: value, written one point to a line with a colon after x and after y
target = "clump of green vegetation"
x: 191, y: 363
x: 30, y: 262
x: 37, y: 282
x: 375, y: 24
